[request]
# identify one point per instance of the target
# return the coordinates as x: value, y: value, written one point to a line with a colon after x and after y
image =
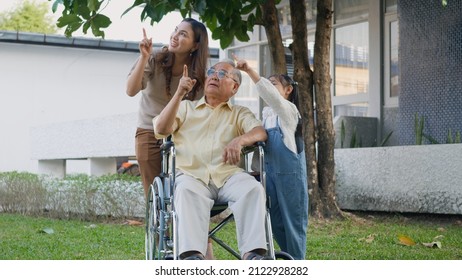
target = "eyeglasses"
x: 220, y: 74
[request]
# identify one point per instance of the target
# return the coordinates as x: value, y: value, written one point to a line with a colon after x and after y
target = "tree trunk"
x: 323, y: 202
x: 304, y: 76
x: 321, y: 173
x: 273, y: 33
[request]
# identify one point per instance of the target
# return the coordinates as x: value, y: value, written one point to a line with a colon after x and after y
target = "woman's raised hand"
x: 145, y: 45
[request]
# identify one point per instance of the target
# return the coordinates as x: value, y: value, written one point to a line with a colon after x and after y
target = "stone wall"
x: 415, y: 179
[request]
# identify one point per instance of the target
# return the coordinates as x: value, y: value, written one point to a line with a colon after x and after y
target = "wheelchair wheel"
x: 154, y: 220
x: 280, y: 255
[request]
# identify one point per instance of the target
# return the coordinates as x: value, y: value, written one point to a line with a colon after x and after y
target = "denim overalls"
x: 286, y: 185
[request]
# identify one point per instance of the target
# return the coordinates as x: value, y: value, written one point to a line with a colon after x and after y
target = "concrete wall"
x: 112, y: 136
x: 362, y: 129
x: 53, y: 85
x: 416, y: 179
x: 99, y: 141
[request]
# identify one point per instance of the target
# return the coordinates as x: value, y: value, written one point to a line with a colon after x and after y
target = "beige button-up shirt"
x: 200, y: 133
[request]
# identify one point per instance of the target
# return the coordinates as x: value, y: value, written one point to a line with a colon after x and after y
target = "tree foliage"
x: 83, y: 14
x: 29, y: 17
x: 225, y: 19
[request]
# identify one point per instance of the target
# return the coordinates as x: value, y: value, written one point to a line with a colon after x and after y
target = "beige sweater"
x: 153, y: 97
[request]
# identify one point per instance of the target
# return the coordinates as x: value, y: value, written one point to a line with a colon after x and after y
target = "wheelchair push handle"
x: 167, y: 144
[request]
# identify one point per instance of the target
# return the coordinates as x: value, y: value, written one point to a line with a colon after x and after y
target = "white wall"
x: 45, y: 85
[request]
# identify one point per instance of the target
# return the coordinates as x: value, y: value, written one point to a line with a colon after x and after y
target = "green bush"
x: 77, y: 196
x: 21, y: 193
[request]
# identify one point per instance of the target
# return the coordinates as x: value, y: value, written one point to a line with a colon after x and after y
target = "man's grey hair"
x: 236, y: 72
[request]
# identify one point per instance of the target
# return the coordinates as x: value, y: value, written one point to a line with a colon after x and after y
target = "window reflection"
x: 346, y: 10
x: 351, y: 59
x: 394, y: 66
x: 247, y: 94
x: 353, y: 109
x: 285, y: 20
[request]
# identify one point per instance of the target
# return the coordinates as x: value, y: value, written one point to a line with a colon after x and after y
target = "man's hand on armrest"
x: 232, y: 152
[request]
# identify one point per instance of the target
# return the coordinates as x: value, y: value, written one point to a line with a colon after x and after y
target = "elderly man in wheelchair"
x: 209, y: 135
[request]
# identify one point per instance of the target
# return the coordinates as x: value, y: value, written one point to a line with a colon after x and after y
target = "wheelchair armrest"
x: 260, y: 144
x: 253, y: 148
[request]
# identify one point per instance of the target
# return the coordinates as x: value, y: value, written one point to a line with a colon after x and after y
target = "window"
x: 247, y: 94
x: 391, y: 64
x: 391, y: 6
x: 351, y: 59
x: 345, y: 10
x: 285, y: 21
x: 394, y: 67
x: 353, y: 109
x: 350, y: 53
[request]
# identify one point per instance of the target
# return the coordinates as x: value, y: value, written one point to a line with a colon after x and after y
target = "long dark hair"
x: 199, y: 59
x: 286, y: 81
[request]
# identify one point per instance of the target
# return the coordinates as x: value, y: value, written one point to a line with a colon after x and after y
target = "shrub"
x: 21, y: 193
x: 77, y: 196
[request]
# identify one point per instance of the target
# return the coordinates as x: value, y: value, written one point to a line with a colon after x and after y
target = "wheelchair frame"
x: 161, y: 238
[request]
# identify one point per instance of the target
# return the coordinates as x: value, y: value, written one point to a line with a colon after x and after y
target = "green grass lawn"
x: 23, y: 238
x: 366, y: 236
x: 376, y: 237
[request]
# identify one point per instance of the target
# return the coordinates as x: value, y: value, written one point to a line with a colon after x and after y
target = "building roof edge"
x: 75, y: 42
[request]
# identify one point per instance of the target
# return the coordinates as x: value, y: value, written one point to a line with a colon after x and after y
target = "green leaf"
x: 67, y: 20
x: 248, y: 9
x: 217, y: 33
x: 101, y: 21
x: 384, y: 141
x: 184, y: 3
x: 241, y: 34
x: 431, y: 139
x: 154, y: 13
x: 200, y: 6
x: 85, y: 27
x: 258, y: 13
x: 449, y: 137
x: 92, y: 5
x: 85, y: 12
x: 47, y: 231
x: 55, y: 5
x: 251, y: 19
x: 97, y: 32
x: 135, y: 4
x: 226, y: 40
x: 71, y: 27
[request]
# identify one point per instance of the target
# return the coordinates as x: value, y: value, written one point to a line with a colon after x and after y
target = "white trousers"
x: 194, y: 199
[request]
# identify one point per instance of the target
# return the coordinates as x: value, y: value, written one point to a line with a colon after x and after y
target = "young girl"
x: 286, y: 180
x: 157, y: 74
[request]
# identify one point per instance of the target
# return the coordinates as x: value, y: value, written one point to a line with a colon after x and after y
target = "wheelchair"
x: 161, y: 238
